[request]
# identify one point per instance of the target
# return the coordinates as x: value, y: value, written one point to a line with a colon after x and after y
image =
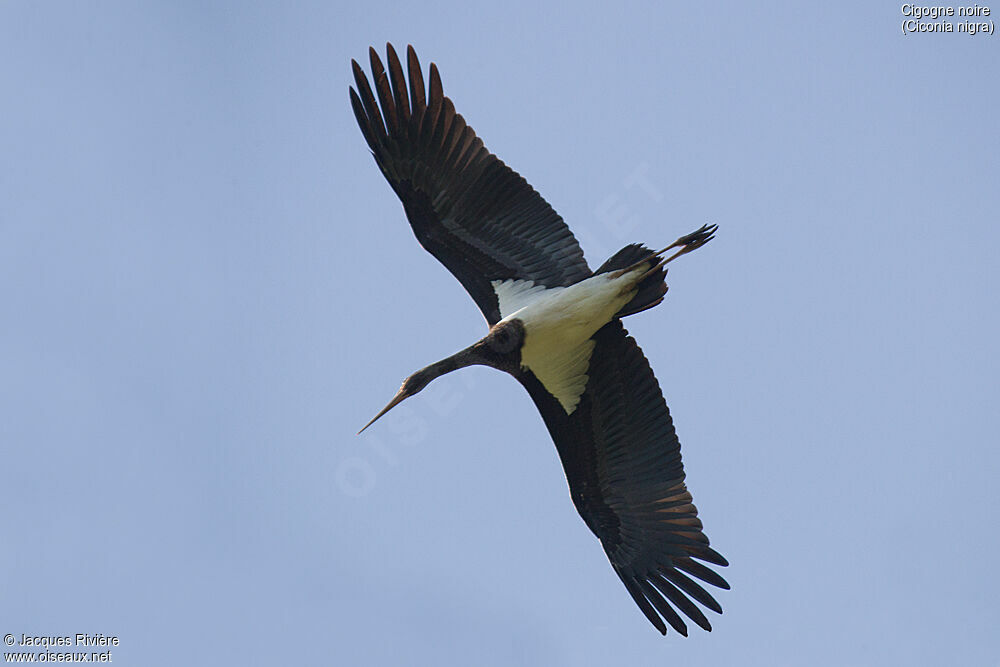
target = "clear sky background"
x: 207, y: 288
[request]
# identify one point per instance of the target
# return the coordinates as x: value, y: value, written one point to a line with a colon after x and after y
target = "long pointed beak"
x: 396, y: 400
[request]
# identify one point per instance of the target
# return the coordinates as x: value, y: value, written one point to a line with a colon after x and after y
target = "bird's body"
x: 559, y: 324
x: 555, y: 326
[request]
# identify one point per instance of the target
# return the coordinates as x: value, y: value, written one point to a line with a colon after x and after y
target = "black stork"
x: 555, y: 325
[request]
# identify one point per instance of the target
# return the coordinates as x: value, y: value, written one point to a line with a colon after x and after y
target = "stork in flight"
x: 555, y: 325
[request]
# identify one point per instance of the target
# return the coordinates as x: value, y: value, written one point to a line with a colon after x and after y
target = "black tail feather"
x: 652, y: 287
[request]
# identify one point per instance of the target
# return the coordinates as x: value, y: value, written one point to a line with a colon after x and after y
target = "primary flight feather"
x: 555, y: 326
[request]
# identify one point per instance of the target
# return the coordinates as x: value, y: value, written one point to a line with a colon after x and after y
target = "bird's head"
x: 411, y: 385
x: 501, y: 349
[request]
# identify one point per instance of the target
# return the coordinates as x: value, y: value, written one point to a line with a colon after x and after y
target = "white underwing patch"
x: 515, y: 294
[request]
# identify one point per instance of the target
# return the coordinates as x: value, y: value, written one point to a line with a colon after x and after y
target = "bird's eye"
x: 502, y: 341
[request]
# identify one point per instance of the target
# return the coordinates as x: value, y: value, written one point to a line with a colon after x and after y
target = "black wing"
x: 467, y: 208
x: 623, y: 463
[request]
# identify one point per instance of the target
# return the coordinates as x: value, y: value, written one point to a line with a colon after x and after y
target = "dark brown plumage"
x: 485, y: 223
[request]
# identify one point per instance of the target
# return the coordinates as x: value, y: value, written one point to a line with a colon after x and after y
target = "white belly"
x: 558, y: 326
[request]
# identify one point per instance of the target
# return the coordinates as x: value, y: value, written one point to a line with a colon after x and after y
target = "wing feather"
x: 466, y: 207
x: 623, y: 464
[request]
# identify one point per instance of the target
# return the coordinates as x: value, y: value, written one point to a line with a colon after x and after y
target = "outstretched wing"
x: 623, y: 463
x: 467, y: 208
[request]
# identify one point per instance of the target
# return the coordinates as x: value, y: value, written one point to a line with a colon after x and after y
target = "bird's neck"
x: 467, y: 357
x: 504, y: 356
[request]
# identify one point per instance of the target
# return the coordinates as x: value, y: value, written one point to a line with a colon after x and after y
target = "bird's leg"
x: 686, y: 243
x: 689, y: 242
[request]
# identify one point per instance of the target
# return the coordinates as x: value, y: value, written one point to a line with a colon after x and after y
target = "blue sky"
x: 208, y: 288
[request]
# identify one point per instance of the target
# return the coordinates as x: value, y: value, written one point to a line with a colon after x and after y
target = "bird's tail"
x: 652, y: 287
